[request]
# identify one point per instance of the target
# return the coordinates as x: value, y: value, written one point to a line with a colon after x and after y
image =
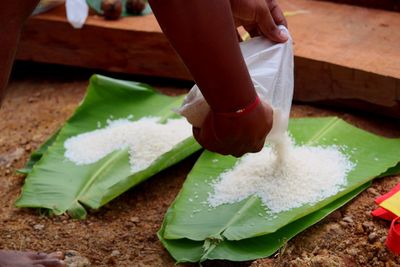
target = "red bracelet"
x: 242, y: 111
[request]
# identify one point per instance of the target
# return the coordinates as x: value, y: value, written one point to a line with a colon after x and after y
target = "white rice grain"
x: 299, y: 175
x: 146, y: 140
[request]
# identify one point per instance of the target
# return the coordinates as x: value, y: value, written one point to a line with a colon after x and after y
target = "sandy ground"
x: 123, y: 233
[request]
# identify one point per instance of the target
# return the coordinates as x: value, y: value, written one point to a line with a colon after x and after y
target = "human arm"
x: 204, y: 35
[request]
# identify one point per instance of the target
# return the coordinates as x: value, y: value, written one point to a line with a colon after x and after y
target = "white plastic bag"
x: 271, y: 69
x: 77, y: 12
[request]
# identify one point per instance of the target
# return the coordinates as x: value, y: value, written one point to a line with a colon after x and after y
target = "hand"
x: 260, y: 17
x: 235, y: 135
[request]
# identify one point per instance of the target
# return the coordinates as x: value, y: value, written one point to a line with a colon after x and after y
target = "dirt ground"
x: 123, y: 233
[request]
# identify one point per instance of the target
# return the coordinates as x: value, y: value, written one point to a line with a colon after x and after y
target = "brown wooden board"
x: 393, y: 5
x: 343, y: 54
x: 346, y: 55
x: 129, y: 45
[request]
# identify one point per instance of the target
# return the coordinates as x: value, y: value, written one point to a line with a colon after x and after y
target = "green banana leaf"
x: 60, y: 186
x: 195, y: 221
x: 96, y: 6
x: 186, y: 250
x: 37, y: 155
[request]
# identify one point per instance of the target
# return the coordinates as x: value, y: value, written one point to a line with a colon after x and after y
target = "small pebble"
x: 335, y: 216
x: 368, y: 226
x: 373, y: 191
x: 352, y: 251
x: 315, y: 250
x: 38, y: 226
x: 359, y: 228
x: 335, y: 228
x: 372, y: 237
x: 74, y: 259
x: 115, y: 253
x: 348, y: 219
x: 134, y: 219
x: 129, y: 225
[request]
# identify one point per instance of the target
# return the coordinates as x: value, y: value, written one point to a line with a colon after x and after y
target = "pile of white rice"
x: 146, y: 140
x: 299, y: 175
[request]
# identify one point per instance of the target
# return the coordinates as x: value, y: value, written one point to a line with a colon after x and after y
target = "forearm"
x: 204, y: 35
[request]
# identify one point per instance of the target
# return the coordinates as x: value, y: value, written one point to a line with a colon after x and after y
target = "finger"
x: 239, y: 152
x: 276, y: 13
x: 56, y: 255
x: 267, y: 25
x: 36, y: 255
x: 203, y: 138
x: 239, y: 37
x: 258, y: 146
x: 42, y: 256
x: 252, y: 30
x: 213, y: 143
x: 49, y: 263
x: 253, y: 148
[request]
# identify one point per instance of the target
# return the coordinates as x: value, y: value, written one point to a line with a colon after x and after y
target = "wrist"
x: 233, y: 100
x: 242, y: 110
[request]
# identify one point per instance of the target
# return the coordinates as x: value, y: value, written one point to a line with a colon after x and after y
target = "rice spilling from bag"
x: 284, y: 176
x: 146, y: 139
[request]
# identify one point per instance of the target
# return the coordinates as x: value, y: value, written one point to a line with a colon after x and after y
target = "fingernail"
x: 283, y: 34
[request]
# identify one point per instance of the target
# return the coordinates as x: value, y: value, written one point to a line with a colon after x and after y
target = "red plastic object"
x: 381, y: 212
x: 393, y: 238
x: 380, y: 199
x: 384, y: 214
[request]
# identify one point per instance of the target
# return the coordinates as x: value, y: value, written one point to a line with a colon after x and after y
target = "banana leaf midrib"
x: 279, y: 238
x: 319, y: 134
x: 115, y: 155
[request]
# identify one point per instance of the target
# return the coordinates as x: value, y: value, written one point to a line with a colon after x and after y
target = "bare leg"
x: 13, y: 15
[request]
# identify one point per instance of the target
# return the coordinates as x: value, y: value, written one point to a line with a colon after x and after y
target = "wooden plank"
x: 338, y: 86
x: 350, y: 36
x: 393, y: 5
x: 343, y: 54
x: 347, y: 55
x: 129, y: 45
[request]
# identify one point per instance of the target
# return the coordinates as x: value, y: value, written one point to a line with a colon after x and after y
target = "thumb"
x: 267, y: 26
